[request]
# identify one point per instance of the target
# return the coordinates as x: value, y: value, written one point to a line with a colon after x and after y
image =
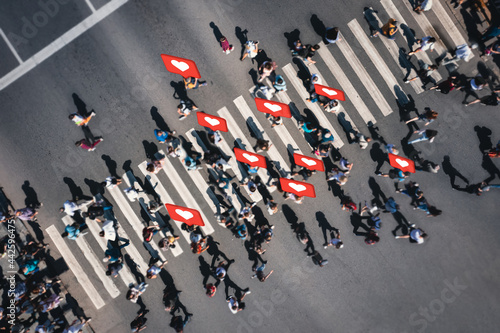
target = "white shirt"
x: 231, y: 303
x: 220, y: 270
x: 415, y: 234
x: 109, y: 230
x: 426, y: 45
x: 70, y: 207
x: 74, y: 328
x: 362, y: 141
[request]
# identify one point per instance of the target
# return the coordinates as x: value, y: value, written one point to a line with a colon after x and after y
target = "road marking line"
x: 345, y: 83
x: 75, y: 267
x: 291, y: 74
x: 92, y: 8
x: 11, y: 47
x: 94, y: 261
x: 144, y: 201
x: 364, y: 77
x: 449, y: 27
x: 254, y: 123
x: 162, y: 193
x: 393, y: 12
x: 185, y: 193
x: 136, y: 224
x: 59, y: 43
x: 377, y: 60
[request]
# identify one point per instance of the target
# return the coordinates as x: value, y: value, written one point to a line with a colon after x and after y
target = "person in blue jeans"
x: 259, y: 273
x: 191, y: 163
x: 178, y: 324
x: 424, y: 135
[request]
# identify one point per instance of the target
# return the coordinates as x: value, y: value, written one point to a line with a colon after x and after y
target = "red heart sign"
x: 402, y: 163
x: 184, y: 214
x: 250, y: 158
x: 184, y: 67
x: 273, y: 108
x: 213, y: 122
x: 302, y: 189
x: 308, y: 162
x: 331, y: 93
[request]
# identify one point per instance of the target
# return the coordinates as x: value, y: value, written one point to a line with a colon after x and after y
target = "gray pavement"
x: 447, y: 284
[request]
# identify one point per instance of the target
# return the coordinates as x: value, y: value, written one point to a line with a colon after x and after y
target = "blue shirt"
x: 72, y: 232
x: 307, y: 130
x: 390, y: 205
x: 162, y: 137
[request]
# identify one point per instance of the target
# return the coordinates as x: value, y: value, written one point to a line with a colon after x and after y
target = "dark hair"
x: 316, y: 47
x: 101, y: 233
x: 150, y: 167
x: 242, y: 305
x: 108, y: 272
x: 222, y: 39
x: 433, y: 67
x: 268, y: 65
x: 432, y: 40
x: 79, y: 143
x: 406, y: 173
x: 431, y: 114
x: 64, y: 234
x: 188, y: 163
x: 253, y: 188
x: 280, y: 81
x: 71, y: 116
x: 129, y: 294
x: 430, y: 133
x: 434, y: 211
x: 211, y: 138
x: 332, y: 33
x: 479, y: 80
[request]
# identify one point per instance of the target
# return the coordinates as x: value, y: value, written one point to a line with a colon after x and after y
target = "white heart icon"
x: 212, y: 121
x: 185, y: 214
x: 272, y: 107
x: 251, y: 158
x: 308, y: 161
x: 403, y: 163
x: 182, y: 66
x: 330, y: 92
x: 297, y: 187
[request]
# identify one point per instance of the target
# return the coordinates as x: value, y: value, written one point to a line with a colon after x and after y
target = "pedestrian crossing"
x: 191, y: 188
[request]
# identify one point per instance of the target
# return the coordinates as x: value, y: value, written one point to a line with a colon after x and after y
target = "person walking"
x: 153, y: 270
x: 114, y: 268
x: 308, y: 52
x: 423, y: 6
x: 388, y: 30
x: 447, y: 85
x: 72, y: 231
x: 226, y: 47
x: 332, y: 35
x: 424, y: 74
x: 427, y: 134
x: 193, y: 83
x: 85, y: 144
x: 236, y: 305
x: 395, y: 173
x: 80, y: 120
x: 139, y: 323
x: 262, y: 145
x: 334, y: 240
x: 279, y: 83
x: 426, y: 43
x: 178, y: 324
x: 251, y: 49
x: 416, y: 235
x: 266, y: 69
x: 156, y: 165
x: 428, y: 117
x: 135, y: 292
x: 149, y: 232
x: 470, y: 88
x: 164, y: 136
x: 26, y: 214
x: 185, y: 108
x: 260, y: 275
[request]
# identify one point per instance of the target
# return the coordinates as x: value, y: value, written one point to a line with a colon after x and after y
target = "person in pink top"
x: 226, y: 47
x: 87, y: 145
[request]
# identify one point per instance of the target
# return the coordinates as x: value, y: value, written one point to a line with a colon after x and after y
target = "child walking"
x: 226, y: 47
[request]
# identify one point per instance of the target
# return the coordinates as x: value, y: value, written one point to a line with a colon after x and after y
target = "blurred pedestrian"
x: 388, y: 30
x: 135, y: 292
x: 193, y: 83
x: 185, y: 108
x: 429, y: 116
x: 139, y: 323
x: 266, y: 69
x: 332, y: 35
x: 423, y: 6
x: 424, y: 135
x: 251, y: 49
x: 426, y: 43
x: 85, y: 144
x: 80, y: 120
x: 334, y: 240
x: 260, y: 275
x: 279, y: 83
x: 226, y: 47
x: 416, y: 235
x: 308, y: 52
x: 164, y: 136
x: 154, y: 270
x: 236, y: 305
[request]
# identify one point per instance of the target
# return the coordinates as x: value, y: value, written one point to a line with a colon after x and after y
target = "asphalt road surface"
x: 449, y: 283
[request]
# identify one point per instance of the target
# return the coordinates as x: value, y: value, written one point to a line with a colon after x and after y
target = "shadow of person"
x: 158, y: 119
x: 217, y: 34
x: 230, y: 284
x: 94, y: 187
x: 254, y: 75
x: 150, y: 149
x: 112, y: 166
x: 379, y: 196
x: 292, y: 37
x: 205, y: 270
x: 132, y: 265
x: 214, y: 251
x: 409, y: 34
x: 451, y: 171
x: 261, y: 57
x: 318, y: 25
x: 374, y: 133
x: 357, y: 223
x: 377, y: 155
x: 31, y: 196
x: 371, y: 19
x: 346, y: 126
x: 179, y: 90
x: 484, y: 136
x: 81, y: 107
x: 324, y: 225
x: 241, y: 35
x: 405, y: 63
x: 127, y: 166
x: 490, y: 167
x: 75, y: 190
x: 487, y: 74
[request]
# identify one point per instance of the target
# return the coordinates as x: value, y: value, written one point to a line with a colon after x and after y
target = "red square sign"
x: 274, y: 108
x: 308, y: 162
x: 331, y: 93
x: 402, y: 163
x: 252, y: 159
x: 213, y: 122
x: 184, y: 67
x: 302, y: 189
x: 184, y: 214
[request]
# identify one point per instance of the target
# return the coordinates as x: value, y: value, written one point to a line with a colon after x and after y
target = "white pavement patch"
x: 291, y: 74
x: 59, y: 43
x: 273, y: 153
x: 185, y: 193
x: 75, y: 267
x: 364, y: 77
x: 345, y: 83
x: 162, y: 193
x: 375, y: 57
x: 393, y: 12
x: 144, y: 201
x: 94, y: 261
x: 136, y: 224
